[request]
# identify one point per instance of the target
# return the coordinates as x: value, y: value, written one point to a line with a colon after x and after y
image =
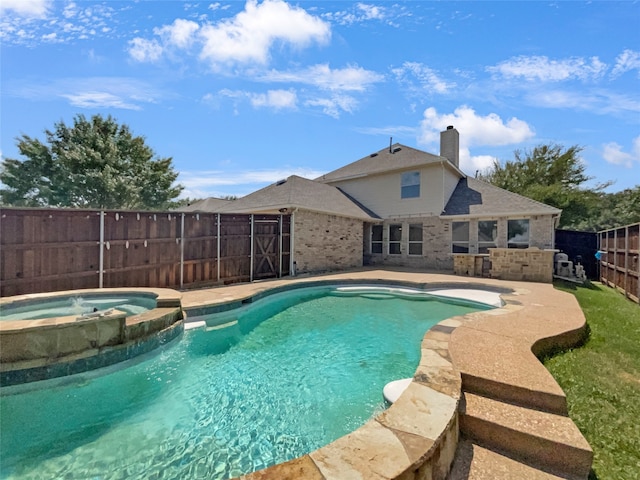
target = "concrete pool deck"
x: 481, y: 405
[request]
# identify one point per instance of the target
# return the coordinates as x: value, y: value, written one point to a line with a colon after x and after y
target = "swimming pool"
x: 255, y: 387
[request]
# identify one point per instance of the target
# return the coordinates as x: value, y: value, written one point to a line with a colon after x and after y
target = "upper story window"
x: 410, y: 185
x: 518, y: 233
x: 460, y: 237
x: 395, y: 237
x: 415, y: 239
x: 376, y: 239
x: 487, y: 235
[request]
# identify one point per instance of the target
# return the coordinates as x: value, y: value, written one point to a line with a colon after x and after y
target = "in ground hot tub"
x: 50, y: 335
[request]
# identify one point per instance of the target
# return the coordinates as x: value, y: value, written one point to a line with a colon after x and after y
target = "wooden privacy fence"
x: 619, y: 261
x: 61, y: 249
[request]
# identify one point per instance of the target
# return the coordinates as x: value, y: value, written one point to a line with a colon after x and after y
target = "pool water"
x: 131, y: 304
x: 222, y: 402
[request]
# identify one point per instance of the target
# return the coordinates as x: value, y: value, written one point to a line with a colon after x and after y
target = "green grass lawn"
x: 602, y: 380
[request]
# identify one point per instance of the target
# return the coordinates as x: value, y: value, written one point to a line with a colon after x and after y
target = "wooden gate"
x: 266, y: 248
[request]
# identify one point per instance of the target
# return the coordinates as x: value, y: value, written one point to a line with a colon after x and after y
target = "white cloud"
x: 99, y: 100
x: 612, y: 152
x: 245, y: 39
x: 181, y: 33
x: 542, y: 69
x: 427, y: 79
x: 30, y: 22
x: 27, y: 8
x: 143, y: 50
x: 277, y: 99
x: 627, y: 60
x: 249, y: 36
x: 475, y: 130
x: 370, y: 12
x: 335, y: 105
x: 352, y: 78
x: 359, y: 13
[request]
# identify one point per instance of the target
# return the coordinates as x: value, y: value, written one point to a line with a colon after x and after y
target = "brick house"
x: 403, y: 207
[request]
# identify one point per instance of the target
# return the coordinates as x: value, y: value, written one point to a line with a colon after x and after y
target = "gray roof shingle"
x: 210, y: 204
x: 473, y: 197
x: 298, y: 192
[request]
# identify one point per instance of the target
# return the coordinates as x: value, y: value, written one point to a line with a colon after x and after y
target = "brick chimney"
x: 450, y: 145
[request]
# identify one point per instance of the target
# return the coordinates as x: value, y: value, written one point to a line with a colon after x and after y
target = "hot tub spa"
x: 61, y: 333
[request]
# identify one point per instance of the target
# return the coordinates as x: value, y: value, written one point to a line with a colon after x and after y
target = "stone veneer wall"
x: 530, y: 264
x: 326, y: 242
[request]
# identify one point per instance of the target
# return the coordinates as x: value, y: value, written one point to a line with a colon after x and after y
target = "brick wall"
x: 530, y: 264
x: 326, y: 242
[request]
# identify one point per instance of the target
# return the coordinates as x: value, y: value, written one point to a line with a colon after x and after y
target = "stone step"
x: 546, y: 440
x: 475, y: 462
x: 549, y: 400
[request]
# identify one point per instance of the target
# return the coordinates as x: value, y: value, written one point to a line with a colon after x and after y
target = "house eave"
x: 500, y: 214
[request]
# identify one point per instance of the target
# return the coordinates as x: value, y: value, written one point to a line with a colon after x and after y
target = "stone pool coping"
x: 417, y: 436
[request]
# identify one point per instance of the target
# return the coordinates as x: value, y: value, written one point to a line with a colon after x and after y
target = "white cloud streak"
x: 352, y: 78
x: 93, y: 92
x: 543, y: 69
x: 627, y: 60
x: 419, y: 78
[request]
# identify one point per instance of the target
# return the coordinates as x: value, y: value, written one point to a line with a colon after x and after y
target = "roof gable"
x: 210, y: 204
x: 298, y: 192
x: 396, y: 157
x: 473, y: 197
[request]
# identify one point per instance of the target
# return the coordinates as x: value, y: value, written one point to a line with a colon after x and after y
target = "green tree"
x: 555, y: 176
x: 95, y: 163
x: 616, y: 210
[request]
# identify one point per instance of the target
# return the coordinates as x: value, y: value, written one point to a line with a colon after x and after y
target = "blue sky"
x: 242, y: 94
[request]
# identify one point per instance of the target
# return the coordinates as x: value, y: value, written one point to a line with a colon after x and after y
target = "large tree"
x: 95, y: 163
x: 553, y: 175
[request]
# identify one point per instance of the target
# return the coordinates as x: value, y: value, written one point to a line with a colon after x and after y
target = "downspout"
x: 292, y: 261
x: 443, y: 204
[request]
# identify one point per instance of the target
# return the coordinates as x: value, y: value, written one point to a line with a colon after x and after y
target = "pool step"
x: 547, y: 441
x: 476, y: 462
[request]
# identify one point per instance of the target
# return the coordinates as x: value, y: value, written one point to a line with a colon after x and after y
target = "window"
x: 415, y: 239
x: 460, y: 237
x: 395, y: 236
x: 487, y: 235
x: 518, y: 233
x: 376, y: 239
x: 410, y: 185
